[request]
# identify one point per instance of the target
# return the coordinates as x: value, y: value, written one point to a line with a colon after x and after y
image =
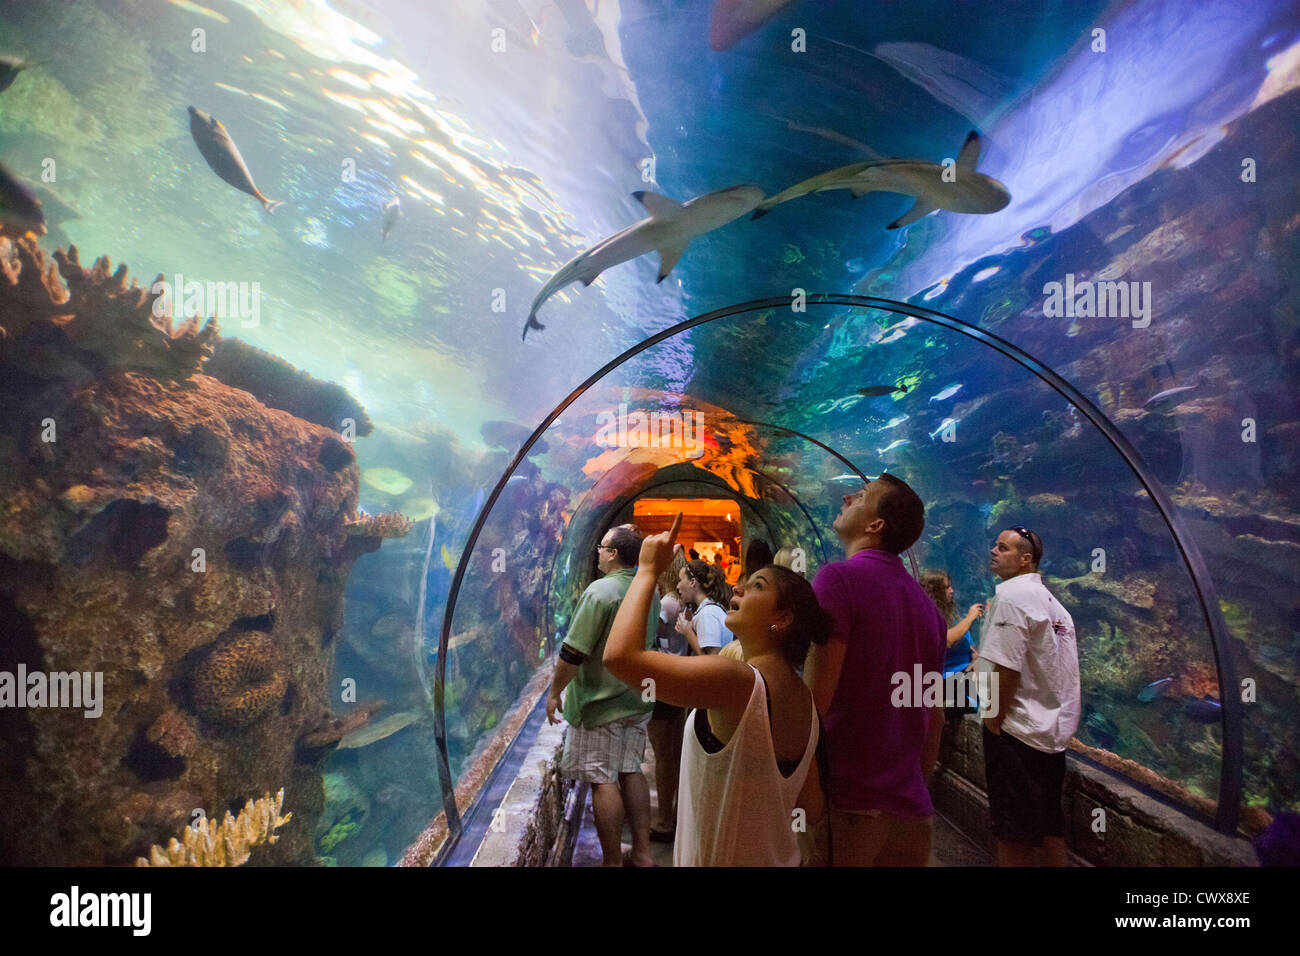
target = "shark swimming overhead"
x: 669, y: 228
x: 968, y: 191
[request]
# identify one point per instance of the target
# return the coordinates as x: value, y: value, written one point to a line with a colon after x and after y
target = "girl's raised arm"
x: 712, y: 682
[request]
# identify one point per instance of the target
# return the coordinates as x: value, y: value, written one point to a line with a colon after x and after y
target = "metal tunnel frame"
x: 1230, y: 772
x: 911, y: 558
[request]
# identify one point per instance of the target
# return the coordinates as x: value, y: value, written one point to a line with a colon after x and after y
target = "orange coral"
x: 1199, y: 680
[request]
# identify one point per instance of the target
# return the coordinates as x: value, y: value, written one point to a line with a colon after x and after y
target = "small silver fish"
x: 946, y: 423
x: 1161, y: 399
x: 392, y: 211
x: 222, y: 156
x: 20, y: 210
x: 948, y: 392
x: 896, y: 443
x: 894, y: 422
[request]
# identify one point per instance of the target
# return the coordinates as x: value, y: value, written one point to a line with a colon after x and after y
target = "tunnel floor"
x: 951, y: 847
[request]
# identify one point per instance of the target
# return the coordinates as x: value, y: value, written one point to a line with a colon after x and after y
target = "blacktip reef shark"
x: 670, y: 227
x: 969, y: 192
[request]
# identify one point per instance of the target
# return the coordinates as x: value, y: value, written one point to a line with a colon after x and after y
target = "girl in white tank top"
x: 735, y: 807
x: 749, y: 749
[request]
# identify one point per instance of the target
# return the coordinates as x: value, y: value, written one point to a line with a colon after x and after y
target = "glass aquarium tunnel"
x: 1008, y: 393
x: 1038, y: 259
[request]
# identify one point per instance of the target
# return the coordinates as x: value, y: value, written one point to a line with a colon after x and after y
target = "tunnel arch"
x: 704, y: 478
x: 1230, y: 776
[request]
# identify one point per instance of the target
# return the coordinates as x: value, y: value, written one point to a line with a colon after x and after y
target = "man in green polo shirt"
x: 606, y: 740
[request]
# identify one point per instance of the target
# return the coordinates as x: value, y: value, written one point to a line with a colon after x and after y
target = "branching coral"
x: 112, y: 324
x: 228, y: 843
x: 239, y: 681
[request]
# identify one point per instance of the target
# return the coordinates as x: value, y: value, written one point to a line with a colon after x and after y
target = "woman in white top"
x: 749, y: 782
x: 703, y: 585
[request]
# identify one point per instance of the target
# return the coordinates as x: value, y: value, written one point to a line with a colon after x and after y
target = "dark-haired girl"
x: 749, y: 749
x: 703, y: 586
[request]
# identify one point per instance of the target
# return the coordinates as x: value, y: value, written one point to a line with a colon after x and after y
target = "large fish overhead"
x: 670, y: 227
x: 222, y: 155
x: 969, y: 192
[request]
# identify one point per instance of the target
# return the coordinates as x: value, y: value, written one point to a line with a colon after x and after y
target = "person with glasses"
x: 608, y: 720
x: 1029, y: 646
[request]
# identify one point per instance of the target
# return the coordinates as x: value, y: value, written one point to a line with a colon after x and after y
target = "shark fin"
x: 659, y: 207
x: 923, y: 207
x: 668, y: 256
x: 970, y: 153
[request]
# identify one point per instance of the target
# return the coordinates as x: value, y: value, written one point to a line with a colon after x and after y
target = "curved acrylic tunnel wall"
x: 986, y: 441
x: 1147, y: 254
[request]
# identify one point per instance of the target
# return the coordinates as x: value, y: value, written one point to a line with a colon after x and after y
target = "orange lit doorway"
x: 709, y: 525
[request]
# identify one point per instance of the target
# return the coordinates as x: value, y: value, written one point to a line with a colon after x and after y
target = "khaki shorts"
x: 600, y: 754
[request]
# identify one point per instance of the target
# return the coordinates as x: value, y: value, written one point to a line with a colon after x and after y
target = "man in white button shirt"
x: 1029, y: 643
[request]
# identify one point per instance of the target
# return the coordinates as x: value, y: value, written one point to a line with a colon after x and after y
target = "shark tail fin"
x: 532, y: 323
x: 659, y: 207
x: 272, y: 205
x: 970, y: 153
x: 922, y: 207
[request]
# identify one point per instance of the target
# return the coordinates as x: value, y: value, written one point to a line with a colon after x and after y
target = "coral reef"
x: 277, y: 384
x: 98, y: 323
x: 228, y: 843
x: 182, y: 538
x: 239, y: 681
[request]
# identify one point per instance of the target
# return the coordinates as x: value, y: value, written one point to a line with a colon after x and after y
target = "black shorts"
x: 1024, y: 789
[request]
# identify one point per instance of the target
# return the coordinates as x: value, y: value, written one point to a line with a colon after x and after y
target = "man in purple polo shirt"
x: 885, y: 625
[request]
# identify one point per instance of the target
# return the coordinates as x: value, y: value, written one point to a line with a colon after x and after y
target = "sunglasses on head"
x: 1035, y: 544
